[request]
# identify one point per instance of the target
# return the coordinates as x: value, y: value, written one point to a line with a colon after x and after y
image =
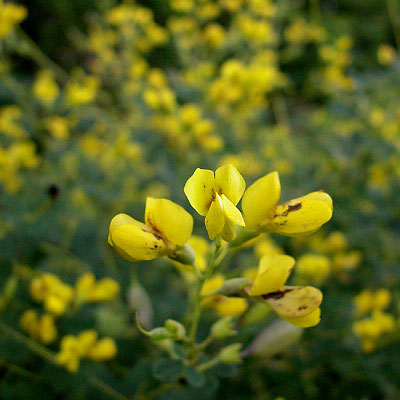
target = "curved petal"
x: 229, y: 182
x: 215, y: 218
x: 230, y: 306
x: 172, y: 221
x: 231, y: 212
x: 200, y: 189
x: 272, y: 274
x: 260, y: 197
x: 123, y: 219
x: 133, y: 244
x: 307, y: 321
x: 299, y: 218
x: 294, y: 301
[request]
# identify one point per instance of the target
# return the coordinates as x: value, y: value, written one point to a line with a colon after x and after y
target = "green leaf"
x: 167, y: 370
x: 194, y: 377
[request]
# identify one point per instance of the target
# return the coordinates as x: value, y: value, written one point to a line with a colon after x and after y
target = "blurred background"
x: 103, y: 103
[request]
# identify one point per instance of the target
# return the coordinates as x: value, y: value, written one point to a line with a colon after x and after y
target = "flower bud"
x: 231, y: 354
x: 176, y: 329
x: 223, y: 328
x: 158, y: 334
x: 274, y: 339
x: 234, y: 287
x: 184, y: 255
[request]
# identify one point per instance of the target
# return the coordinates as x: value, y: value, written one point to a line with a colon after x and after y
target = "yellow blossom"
x: 41, y: 328
x: 298, y: 305
x: 300, y: 216
x: 45, y: 87
x: 168, y: 226
x: 216, y: 197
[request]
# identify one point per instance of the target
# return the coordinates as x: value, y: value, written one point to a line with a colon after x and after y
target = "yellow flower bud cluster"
x: 336, y: 57
x: 41, y: 328
x: 45, y: 88
x: 378, y: 323
x: 82, y: 90
x: 136, y: 25
x: 14, y: 159
x: 313, y: 268
x: 386, y: 54
x: 10, y: 16
x: 85, y: 345
x: 301, y: 32
x: 57, y: 297
x: 186, y: 126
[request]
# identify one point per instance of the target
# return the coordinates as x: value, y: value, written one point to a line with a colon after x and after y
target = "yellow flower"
x: 87, y: 289
x: 105, y: 349
x: 298, y: 305
x: 42, y: 328
x: 225, y: 306
x: 45, y: 88
x: 313, y: 267
x: 300, y: 216
x: 69, y: 355
x: 10, y: 15
x: 168, y: 226
x: 52, y: 292
x: 216, y: 197
x: 386, y: 54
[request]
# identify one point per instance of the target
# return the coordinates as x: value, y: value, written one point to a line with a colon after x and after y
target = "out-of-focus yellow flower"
x: 298, y: 305
x: 300, y: 216
x: 313, y: 268
x: 58, y: 127
x: 45, y: 87
x: 10, y: 124
x: 52, y: 292
x: 10, y: 16
x: 265, y: 246
x: 82, y: 91
x: 369, y: 330
x: 167, y: 227
x: 41, y: 328
x: 386, y: 54
x: 85, y: 345
x: 224, y: 306
x: 347, y: 261
x: 216, y: 197
x: 87, y: 289
x: 368, y: 301
x: 214, y: 35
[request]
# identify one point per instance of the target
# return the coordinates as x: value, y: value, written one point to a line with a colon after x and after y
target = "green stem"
x: 209, y: 364
x: 217, y: 256
x: 106, y: 389
x: 29, y: 343
x: 37, y: 55
x: 394, y: 16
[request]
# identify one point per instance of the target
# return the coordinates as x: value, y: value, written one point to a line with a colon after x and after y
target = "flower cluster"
x: 86, y: 345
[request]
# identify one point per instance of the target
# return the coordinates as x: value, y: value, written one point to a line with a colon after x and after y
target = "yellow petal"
x: 272, y: 274
x: 304, y: 217
x: 231, y: 212
x: 307, y: 321
x: 294, y: 301
x: 172, y: 221
x: 123, y: 219
x: 199, y: 189
x: 215, y: 218
x: 230, y: 306
x: 229, y: 182
x: 319, y: 195
x: 260, y: 197
x: 133, y: 244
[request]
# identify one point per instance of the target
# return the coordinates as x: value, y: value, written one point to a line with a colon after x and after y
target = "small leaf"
x: 194, y: 377
x: 167, y: 370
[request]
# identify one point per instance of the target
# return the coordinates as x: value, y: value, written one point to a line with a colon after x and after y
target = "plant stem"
x: 394, y: 17
x: 209, y: 364
x: 217, y: 256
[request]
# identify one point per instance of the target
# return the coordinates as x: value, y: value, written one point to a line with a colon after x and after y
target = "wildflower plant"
x: 167, y: 232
